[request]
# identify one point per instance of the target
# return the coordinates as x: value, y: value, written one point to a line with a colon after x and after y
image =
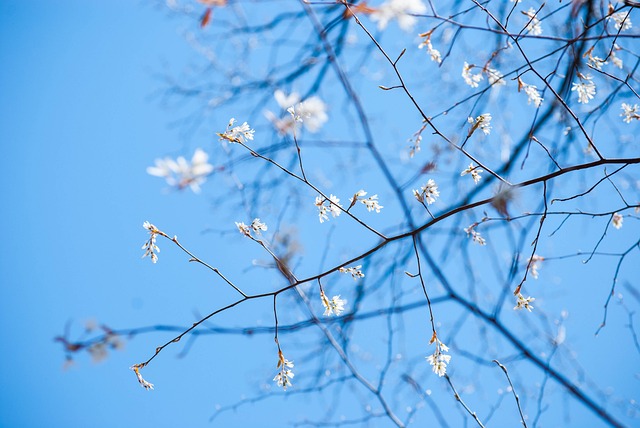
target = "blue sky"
x: 80, y: 120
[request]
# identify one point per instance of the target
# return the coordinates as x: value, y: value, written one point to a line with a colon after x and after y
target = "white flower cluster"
x: 354, y: 271
x: 371, y: 202
x: 439, y: 359
x: 586, y: 89
x: 429, y: 193
x: 483, y: 122
x: 495, y: 77
x: 146, y: 385
x: 533, y: 26
x: 256, y: 225
x: 524, y: 303
x: 469, y: 78
x: 180, y: 173
x: 312, y: 112
x: 433, y: 53
x: 533, y: 95
x: 401, y: 10
x: 150, y: 248
x: 284, y: 376
x: 475, y: 236
x: 616, y: 220
x: 474, y: 171
x: 534, y: 267
x: 237, y: 134
x: 630, y: 112
x: 333, y: 206
x: 621, y: 20
x: 335, y: 305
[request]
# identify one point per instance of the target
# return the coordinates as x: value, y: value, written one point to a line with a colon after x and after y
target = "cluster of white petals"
x: 256, y: 225
x: 284, y: 376
x: 622, y: 20
x: 146, y: 385
x: 533, y: 26
x: 630, y: 112
x: 483, y: 122
x: 150, y: 248
x: 325, y: 206
x: 427, y: 193
x: 354, y: 271
x: 244, y: 229
x: 439, y: 359
x: 585, y: 89
x: 616, y: 220
x: 181, y: 173
x: 495, y: 77
x: 474, y: 171
x: 400, y: 10
x: 371, y: 202
x: 237, y: 134
x: 533, y: 95
x: 534, y: 267
x: 311, y: 112
x: 333, y: 306
x: 524, y: 302
x: 433, y: 53
x: 475, y: 235
x: 469, y: 78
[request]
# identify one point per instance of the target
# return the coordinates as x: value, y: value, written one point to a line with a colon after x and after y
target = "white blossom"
x: 474, y: 171
x: 615, y: 59
x: 237, y: 134
x: 630, y: 112
x: 533, y: 95
x: 354, y: 271
x: 244, y: 229
x: 371, y: 202
x: 150, y: 248
x: 325, y: 206
x: 335, y: 305
x: 586, y: 89
x: 483, y: 122
x: 595, y: 61
x: 433, y: 53
x: 402, y: 10
x: 470, y: 78
x: 495, y: 77
x: 311, y: 112
x: 475, y: 236
x: 439, y: 360
x: 616, y: 220
x: 622, y: 20
x: 258, y: 226
x: 428, y: 192
x: 533, y: 26
x: 181, y: 173
x: 284, y: 376
x: 535, y: 262
x: 146, y: 385
x: 524, y: 303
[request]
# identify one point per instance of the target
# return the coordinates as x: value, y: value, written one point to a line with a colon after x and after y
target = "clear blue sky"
x: 80, y: 120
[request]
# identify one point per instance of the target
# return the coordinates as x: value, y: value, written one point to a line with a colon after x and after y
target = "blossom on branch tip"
x: 333, y: 207
x: 439, y: 360
x: 429, y: 192
x: 622, y: 20
x: 371, y: 202
x: 533, y: 95
x: 258, y: 226
x: 630, y: 112
x: 284, y: 376
x: 354, y: 271
x: 237, y: 134
x: 244, y: 229
x: 146, y: 385
x: 335, y: 305
x: 150, y: 248
x: 311, y: 112
x: 483, y: 122
x: 475, y: 236
x: 524, y: 302
x: 180, y: 173
x: 586, y: 89
x: 474, y: 171
x: 402, y: 10
x: 471, y: 79
x: 533, y: 26
x: 433, y: 53
x: 616, y: 220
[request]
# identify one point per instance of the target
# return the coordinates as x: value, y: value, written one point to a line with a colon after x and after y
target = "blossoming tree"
x: 433, y: 187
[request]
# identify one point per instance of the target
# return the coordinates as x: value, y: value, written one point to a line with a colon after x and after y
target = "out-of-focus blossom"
x: 534, y: 27
x: 181, y: 173
x: 401, y: 10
